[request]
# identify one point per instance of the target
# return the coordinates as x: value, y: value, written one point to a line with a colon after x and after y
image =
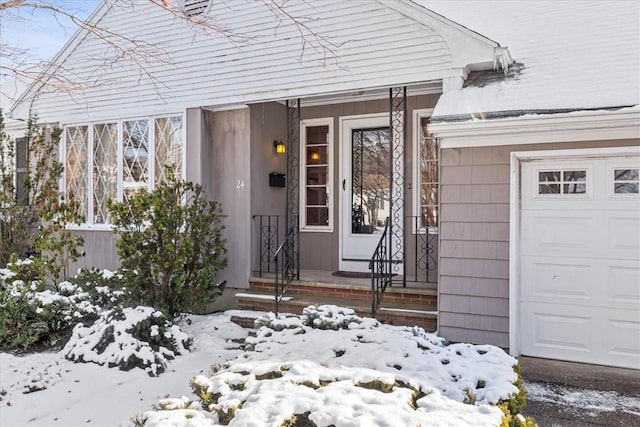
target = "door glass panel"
x: 370, y: 186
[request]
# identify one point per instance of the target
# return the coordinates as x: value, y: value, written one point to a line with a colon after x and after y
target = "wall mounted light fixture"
x: 280, y: 147
x: 315, y: 155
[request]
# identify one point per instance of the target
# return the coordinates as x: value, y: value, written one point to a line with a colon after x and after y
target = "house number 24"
x: 239, y: 184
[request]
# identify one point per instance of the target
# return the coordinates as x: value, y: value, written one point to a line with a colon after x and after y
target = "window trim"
x: 415, y: 193
x: 563, y: 167
x: 304, y: 124
x: 89, y: 224
x: 611, y: 170
x: 20, y: 198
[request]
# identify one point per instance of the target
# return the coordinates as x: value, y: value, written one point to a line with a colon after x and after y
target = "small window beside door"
x: 22, y: 153
x: 316, y: 174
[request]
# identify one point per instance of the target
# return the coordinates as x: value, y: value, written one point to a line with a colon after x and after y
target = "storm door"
x: 365, y: 193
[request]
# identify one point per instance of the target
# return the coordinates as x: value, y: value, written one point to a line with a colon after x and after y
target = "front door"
x: 365, y: 188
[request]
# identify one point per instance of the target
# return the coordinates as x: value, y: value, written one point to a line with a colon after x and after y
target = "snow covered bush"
x: 33, y: 214
x: 332, y: 367
x: 128, y: 338
x: 170, y: 246
x: 33, y: 317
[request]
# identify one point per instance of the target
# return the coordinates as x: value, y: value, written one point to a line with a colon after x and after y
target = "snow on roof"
x: 574, y: 55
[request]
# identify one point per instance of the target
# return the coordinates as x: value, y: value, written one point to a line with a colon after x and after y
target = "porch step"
x: 394, y: 296
x: 400, y: 306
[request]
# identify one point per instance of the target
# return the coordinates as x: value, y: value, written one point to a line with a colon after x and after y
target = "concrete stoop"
x: 400, y: 306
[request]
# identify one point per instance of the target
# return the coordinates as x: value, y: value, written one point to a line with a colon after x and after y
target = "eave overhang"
x: 592, y: 125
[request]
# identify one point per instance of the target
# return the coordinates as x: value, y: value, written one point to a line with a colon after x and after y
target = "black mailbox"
x: 276, y: 179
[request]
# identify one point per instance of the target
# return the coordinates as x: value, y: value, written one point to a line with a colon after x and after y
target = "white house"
x: 513, y: 140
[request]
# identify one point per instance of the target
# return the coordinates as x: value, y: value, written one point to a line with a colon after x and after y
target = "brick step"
x: 335, y: 291
x: 390, y: 313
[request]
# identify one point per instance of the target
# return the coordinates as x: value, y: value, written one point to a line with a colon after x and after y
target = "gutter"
x: 494, y: 129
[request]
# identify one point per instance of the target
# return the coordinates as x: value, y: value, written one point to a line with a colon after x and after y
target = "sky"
x: 40, y: 32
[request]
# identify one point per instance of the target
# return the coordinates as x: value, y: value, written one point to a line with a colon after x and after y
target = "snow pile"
x: 319, y: 317
x: 332, y: 367
x: 84, y: 394
x: 38, y: 375
x: 128, y: 337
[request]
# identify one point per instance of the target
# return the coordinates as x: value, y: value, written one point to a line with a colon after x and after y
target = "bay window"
x: 113, y: 160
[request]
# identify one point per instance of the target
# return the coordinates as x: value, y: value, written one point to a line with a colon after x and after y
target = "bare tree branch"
x: 124, y: 48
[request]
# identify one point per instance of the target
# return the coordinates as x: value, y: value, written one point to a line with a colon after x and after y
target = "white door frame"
x: 346, y: 125
x: 514, y: 220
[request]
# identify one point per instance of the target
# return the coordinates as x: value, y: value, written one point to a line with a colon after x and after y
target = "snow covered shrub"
x: 330, y: 365
x: 128, y: 338
x: 34, y: 317
x: 170, y: 246
x: 33, y: 213
x: 103, y: 286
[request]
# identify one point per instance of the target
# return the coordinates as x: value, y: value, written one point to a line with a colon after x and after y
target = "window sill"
x: 312, y: 229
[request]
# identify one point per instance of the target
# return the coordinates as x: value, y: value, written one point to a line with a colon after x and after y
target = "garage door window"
x: 626, y: 181
x: 562, y: 182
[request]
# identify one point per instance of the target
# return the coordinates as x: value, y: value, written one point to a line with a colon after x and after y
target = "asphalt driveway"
x: 564, y: 394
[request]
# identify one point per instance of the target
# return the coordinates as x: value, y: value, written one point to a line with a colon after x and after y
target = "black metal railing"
x: 380, y: 266
x: 287, y: 267
x: 268, y: 240
x: 425, y: 252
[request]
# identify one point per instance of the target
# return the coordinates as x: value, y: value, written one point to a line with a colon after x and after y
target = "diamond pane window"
x: 112, y: 161
x: 77, y: 173
x: 135, y: 154
x: 105, y: 169
x: 168, y: 133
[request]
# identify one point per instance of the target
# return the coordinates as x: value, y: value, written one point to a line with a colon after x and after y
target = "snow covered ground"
x: 328, y: 365
x: 584, y: 402
x: 80, y: 394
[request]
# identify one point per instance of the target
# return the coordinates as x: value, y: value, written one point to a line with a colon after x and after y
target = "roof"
x: 570, y: 55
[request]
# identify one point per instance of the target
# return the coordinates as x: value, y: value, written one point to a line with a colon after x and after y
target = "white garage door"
x: 580, y: 260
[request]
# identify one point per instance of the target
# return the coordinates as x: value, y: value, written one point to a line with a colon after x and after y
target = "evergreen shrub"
x: 170, y: 246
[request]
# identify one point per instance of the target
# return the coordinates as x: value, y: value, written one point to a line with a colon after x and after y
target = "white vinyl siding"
x: 377, y: 47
